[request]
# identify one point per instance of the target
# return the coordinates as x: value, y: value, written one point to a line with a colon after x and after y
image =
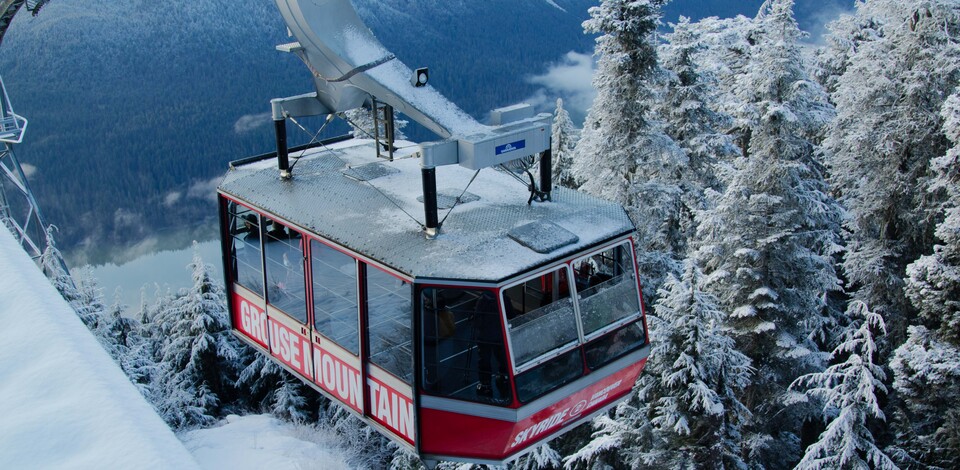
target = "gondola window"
x: 335, y: 307
x: 246, y: 262
x: 389, y: 313
x: 286, y: 289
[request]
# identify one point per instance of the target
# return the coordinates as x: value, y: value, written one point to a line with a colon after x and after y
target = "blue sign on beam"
x: 512, y: 146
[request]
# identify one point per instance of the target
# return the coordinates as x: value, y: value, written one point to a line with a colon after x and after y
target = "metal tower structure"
x: 19, y: 210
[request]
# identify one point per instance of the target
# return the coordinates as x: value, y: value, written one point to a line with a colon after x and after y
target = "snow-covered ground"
x: 262, y: 441
x: 66, y: 404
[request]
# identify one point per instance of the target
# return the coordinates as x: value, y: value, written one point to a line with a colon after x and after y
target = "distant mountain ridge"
x: 137, y: 106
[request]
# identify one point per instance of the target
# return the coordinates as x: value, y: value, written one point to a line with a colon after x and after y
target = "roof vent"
x: 542, y: 237
x: 369, y: 172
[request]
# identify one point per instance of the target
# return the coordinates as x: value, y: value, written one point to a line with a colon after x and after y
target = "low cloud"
x: 571, y: 79
x: 172, y: 198
x: 204, y: 189
x: 251, y: 122
x: 28, y: 170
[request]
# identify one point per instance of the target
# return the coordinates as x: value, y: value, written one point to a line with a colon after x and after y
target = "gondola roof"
x: 343, y: 193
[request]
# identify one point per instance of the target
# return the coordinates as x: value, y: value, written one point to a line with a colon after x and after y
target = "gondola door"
x: 335, y: 293
x: 388, y: 317
x: 286, y: 290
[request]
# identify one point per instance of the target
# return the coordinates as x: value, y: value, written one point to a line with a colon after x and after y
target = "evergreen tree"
x: 121, y: 337
x: 687, y: 108
x: 933, y: 283
x: 686, y: 414
x: 923, y: 365
x: 729, y: 46
x: 767, y: 243
x: 850, y: 391
x: 880, y: 146
x: 52, y: 264
x: 621, y: 155
x: 116, y: 327
x: 563, y: 142
x: 688, y: 118
x: 700, y: 372
x: 543, y: 457
x: 847, y: 33
x: 926, y: 373
x: 197, y: 366
x: 620, y: 439
x: 88, y: 300
x: 267, y: 387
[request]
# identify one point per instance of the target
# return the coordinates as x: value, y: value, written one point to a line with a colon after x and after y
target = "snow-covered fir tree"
x: 687, y: 116
x: 846, y: 35
x: 620, y: 438
x: 926, y: 372
x: 122, y: 337
x: 767, y: 243
x: 926, y: 367
x: 197, y: 364
x: 697, y: 413
x: 267, y: 387
x: 887, y: 131
x: 363, y: 446
x: 933, y: 283
x: 728, y: 48
x: 850, y: 390
x: 52, y: 264
x: 687, y: 107
x: 777, y: 73
x: 686, y: 413
x: 621, y: 155
x: 563, y: 141
x: 88, y: 302
x: 543, y: 457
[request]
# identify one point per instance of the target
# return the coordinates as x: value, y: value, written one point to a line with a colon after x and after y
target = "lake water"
x: 166, y: 269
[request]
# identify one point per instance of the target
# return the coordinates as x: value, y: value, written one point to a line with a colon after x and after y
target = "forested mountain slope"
x: 135, y: 107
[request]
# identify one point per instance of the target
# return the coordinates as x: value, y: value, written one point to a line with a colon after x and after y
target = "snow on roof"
x: 372, y: 217
x: 66, y: 403
x: 362, y: 48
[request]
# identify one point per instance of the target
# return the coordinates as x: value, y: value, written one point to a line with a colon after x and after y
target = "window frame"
x: 555, y: 352
x: 359, y: 291
x: 306, y: 275
x: 628, y: 243
x: 366, y: 329
x: 233, y: 253
x: 436, y: 285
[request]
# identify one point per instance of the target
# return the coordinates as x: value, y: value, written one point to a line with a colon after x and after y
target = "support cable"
x: 458, y: 200
x: 385, y: 196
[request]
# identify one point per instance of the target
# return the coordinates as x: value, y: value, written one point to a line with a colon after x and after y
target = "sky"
x: 68, y: 405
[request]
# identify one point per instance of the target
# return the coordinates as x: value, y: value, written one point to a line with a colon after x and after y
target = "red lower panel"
x: 460, y: 435
x: 290, y: 348
x: 249, y: 319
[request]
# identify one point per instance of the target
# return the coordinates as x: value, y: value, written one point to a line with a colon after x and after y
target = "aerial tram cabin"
x: 463, y: 314
x: 515, y: 324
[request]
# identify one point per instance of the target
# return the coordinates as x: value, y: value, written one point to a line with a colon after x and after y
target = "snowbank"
x: 66, y: 403
x: 262, y: 441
